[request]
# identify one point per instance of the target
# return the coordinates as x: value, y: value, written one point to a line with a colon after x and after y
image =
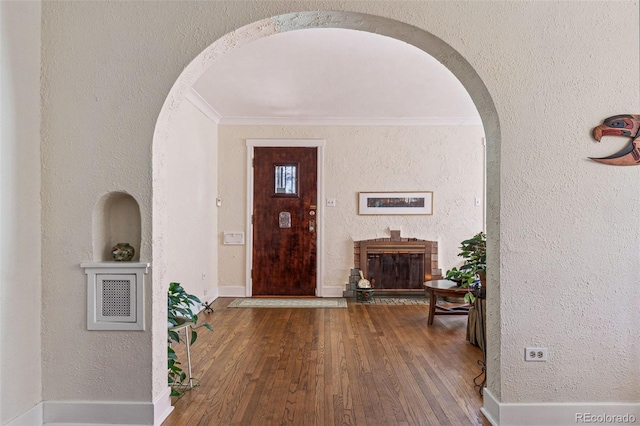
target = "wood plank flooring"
x: 364, y: 365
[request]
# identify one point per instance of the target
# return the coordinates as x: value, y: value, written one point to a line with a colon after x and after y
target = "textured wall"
x: 564, y: 228
x: 20, y: 278
x: 98, y: 120
x: 561, y: 243
x: 445, y: 160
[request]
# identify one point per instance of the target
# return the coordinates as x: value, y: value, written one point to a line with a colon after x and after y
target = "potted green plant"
x: 179, y: 312
x: 473, y: 271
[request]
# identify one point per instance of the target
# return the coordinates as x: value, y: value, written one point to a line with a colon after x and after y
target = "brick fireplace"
x: 397, y: 264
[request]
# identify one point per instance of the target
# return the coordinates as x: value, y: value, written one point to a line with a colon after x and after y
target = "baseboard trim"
x: 162, y: 407
x: 214, y: 294
x: 232, y: 291
x: 33, y: 417
x: 490, y: 407
x: 332, y: 291
x: 556, y: 414
x: 96, y: 413
x: 107, y: 412
x: 85, y: 412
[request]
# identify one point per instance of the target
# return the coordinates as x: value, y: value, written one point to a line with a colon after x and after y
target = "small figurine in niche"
x: 123, y: 252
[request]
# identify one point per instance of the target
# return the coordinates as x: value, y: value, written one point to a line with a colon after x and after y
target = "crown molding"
x: 350, y: 121
x: 203, y: 106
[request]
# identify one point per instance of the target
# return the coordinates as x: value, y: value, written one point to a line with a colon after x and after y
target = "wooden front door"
x: 284, y: 221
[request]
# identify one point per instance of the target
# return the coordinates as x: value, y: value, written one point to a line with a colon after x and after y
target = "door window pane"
x: 286, y: 179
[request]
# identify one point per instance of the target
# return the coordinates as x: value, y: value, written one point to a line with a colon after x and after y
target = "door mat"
x: 383, y: 300
x: 289, y: 303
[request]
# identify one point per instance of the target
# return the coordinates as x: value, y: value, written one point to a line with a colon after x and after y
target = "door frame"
x: 284, y: 143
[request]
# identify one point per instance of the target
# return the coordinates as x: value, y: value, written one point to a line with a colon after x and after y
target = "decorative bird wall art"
x: 621, y: 125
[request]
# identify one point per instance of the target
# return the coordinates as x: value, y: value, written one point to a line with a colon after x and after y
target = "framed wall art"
x: 402, y: 203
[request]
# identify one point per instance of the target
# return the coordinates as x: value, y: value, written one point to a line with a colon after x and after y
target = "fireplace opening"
x: 397, y: 264
x: 396, y: 271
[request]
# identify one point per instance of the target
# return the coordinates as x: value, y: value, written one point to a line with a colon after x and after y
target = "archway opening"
x: 419, y: 38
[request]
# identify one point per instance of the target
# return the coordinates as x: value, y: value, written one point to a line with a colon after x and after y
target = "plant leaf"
x: 174, y: 336
x: 194, y: 298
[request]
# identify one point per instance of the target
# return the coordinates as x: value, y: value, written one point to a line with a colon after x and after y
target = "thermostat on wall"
x: 231, y: 238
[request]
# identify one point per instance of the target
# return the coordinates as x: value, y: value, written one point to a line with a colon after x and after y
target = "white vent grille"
x: 116, y: 298
x: 115, y: 295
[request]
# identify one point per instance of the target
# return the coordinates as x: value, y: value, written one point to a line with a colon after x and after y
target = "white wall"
x: 564, y: 230
x: 444, y: 159
x: 20, y: 277
x: 192, y: 215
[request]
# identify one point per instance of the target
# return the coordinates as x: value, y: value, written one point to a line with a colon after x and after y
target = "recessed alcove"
x: 116, y: 219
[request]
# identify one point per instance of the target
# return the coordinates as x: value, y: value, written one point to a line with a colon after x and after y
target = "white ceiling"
x: 332, y: 76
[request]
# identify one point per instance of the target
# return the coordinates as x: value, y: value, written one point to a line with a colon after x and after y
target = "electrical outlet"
x: 204, y: 275
x: 205, y: 291
x: 331, y: 202
x: 535, y: 354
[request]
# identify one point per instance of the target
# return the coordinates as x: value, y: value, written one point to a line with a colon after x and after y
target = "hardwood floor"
x: 364, y: 365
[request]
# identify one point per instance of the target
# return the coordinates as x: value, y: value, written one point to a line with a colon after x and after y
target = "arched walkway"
x: 345, y: 20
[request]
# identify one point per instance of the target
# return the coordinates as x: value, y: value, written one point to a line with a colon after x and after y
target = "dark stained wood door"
x: 284, y: 221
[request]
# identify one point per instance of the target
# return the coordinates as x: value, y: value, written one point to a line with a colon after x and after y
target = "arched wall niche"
x: 418, y: 37
x: 116, y: 219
